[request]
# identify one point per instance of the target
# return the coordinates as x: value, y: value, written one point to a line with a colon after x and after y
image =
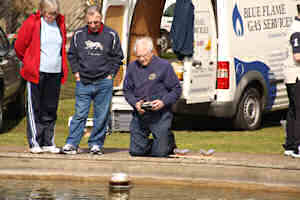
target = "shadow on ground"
x: 196, y: 123
x: 106, y: 150
x: 11, y: 120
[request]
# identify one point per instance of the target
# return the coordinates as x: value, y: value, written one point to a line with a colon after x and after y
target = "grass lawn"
x: 208, y: 133
x: 266, y: 140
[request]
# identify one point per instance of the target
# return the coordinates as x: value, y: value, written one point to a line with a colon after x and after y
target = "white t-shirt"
x: 51, y: 44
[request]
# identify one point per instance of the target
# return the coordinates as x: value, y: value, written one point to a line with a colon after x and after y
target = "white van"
x: 239, y: 52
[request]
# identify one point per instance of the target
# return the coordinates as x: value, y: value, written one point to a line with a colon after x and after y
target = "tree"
x: 12, y: 11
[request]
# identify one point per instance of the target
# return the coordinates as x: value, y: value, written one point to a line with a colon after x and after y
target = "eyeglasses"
x: 93, y: 22
x: 144, y: 55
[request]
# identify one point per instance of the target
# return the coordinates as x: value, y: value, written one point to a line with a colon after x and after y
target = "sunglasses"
x: 94, y: 22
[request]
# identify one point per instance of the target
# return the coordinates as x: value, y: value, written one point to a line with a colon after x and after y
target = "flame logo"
x: 237, y: 21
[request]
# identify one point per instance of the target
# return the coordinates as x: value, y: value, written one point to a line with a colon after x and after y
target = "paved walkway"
x: 246, y: 170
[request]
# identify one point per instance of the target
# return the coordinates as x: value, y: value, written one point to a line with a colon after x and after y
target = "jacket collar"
x: 99, y: 30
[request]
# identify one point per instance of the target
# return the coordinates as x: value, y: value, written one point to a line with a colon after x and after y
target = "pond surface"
x: 63, y: 190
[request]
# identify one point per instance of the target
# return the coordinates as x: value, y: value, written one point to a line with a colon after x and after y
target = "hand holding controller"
x: 147, y: 106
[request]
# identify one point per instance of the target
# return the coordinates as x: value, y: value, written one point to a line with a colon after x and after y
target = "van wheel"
x: 249, y: 112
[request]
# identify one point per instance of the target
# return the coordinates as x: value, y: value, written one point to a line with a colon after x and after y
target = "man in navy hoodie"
x: 151, y: 87
x: 95, y: 56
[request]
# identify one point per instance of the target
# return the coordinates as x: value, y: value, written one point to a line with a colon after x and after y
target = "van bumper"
x: 222, y: 109
x: 213, y: 109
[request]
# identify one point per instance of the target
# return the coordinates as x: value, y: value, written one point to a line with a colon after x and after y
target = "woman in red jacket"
x: 40, y: 45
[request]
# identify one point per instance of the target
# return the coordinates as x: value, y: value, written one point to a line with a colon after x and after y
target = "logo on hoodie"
x: 152, y: 76
x: 93, y: 45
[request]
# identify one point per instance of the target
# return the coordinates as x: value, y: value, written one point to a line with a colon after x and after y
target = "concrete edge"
x: 91, y: 168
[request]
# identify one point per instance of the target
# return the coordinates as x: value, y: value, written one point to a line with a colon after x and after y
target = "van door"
x: 117, y: 15
x: 132, y: 19
x: 199, y: 84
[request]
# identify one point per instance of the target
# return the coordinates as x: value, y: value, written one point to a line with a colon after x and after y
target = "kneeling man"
x: 151, y: 87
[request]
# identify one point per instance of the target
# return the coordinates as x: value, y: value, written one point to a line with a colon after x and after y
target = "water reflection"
x: 50, y: 190
x: 41, y: 194
x: 118, y: 194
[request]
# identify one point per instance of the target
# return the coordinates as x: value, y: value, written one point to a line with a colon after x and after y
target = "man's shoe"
x: 51, y: 149
x: 69, y: 149
x: 288, y: 152
x: 36, y: 150
x: 295, y: 155
x: 96, y: 150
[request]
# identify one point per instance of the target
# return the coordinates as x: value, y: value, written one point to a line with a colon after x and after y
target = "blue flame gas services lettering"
x: 265, y: 11
x: 254, y: 25
x: 271, y: 10
x: 267, y: 17
x: 274, y: 23
x: 252, y: 12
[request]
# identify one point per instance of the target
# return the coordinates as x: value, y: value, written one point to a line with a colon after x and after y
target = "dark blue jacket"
x: 95, y: 55
x: 155, y: 81
x: 182, y: 30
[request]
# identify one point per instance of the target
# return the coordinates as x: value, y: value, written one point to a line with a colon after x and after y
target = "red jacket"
x: 28, y: 47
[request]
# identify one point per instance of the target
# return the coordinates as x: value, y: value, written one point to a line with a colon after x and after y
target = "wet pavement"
x: 242, y: 169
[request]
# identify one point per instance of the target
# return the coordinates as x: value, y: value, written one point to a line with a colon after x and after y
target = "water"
x: 63, y: 190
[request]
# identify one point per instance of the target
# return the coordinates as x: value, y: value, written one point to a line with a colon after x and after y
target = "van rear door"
x: 117, y: 15
x: 199, y: 84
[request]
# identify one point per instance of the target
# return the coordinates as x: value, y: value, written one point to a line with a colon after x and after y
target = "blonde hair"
x: 146, y: 41
x: 49, y: 5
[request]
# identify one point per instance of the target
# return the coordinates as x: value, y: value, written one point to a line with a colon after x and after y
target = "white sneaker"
x: 288, y: 152
x: 96, y: 150
x: 69, y: 149
x: 51, y: 149
x: 296, y: 155
x: 36, y: 150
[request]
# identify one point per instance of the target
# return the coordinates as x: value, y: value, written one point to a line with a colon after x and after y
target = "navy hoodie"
x: 155, y: 81
x: 95, y: 55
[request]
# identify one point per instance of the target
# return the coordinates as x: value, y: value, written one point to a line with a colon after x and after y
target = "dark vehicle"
x: 12, y: 85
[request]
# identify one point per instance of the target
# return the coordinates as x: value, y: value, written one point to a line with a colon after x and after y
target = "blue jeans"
x: 157, y: 123
x: 101, y: 93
